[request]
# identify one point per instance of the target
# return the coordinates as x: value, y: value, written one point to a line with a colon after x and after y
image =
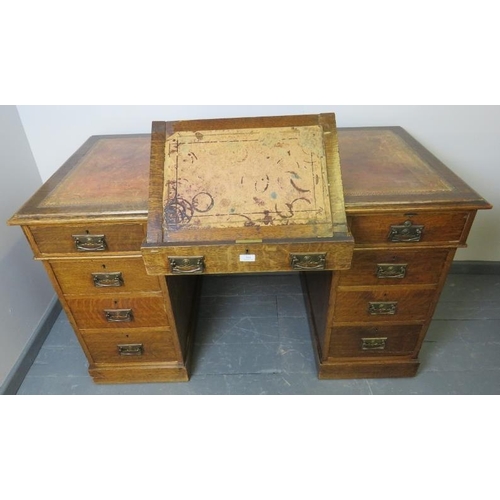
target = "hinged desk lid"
x: 265, y: 179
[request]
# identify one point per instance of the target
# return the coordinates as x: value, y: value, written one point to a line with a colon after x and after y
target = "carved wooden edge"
x: 245, y: 122
x: 156, y: 174
x: 328, y: 123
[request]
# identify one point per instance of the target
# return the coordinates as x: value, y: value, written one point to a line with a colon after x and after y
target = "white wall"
x: 463, y: 137
x: 25, y: 291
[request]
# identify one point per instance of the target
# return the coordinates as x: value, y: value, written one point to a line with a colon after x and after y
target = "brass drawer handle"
x: 118, y: 315
x: 187, y: 265
x: 406, y: 232
x: 308, y: 261
x: 130, y: 349
x: 373, y: 344
x: 90, y: 242
x: 391, y: 271
x: 382, y: 308
x: 103, y: 280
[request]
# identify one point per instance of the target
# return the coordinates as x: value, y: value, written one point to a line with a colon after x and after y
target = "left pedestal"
x: 87, y: 224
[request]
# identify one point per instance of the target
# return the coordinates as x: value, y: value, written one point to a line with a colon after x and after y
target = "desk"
x: 407, y: 213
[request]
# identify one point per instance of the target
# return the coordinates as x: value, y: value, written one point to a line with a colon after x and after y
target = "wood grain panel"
x: 156, y: 346
x: 423, y: 267
x: 348, y: 341
x: 412, y: 304
x: 75, y: 276
x: 57, y: 240
x: 226, y: 259
x: 438, y: 227
x: 147, y: 311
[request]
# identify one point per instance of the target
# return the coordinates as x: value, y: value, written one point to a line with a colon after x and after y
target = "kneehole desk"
x: 372, y: 226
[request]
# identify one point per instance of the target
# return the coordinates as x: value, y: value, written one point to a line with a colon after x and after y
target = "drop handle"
x: 104, y: 280
x: 90, y: 242
x: 130, y: 349
x: 118, y: 315
x: 373, y: 344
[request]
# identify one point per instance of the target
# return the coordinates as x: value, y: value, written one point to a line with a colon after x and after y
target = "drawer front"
x: 91, y: 239
x: 118, y: 312
x: 368, y: 341
x: 408, y: 229
x: 130, y: 346
x: 399, y: 267
x: 103, y: 276
x: 248, y: 258
x: 383, y: 305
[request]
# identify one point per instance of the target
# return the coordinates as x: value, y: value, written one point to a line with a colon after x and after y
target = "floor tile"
x: 294, y: 329
x: 237, y: 330
x: 473, y: 288
x: 211, y: 359
x: 292, y: 384
x: 255, y: 285
x: 439, y: 383
x: 459, y: 356
x: 291, y: 305
x: 464, y: 331
x: 465, y: 309
x: 237, y: 307
x: 296, y: 357
x: 60, y: 361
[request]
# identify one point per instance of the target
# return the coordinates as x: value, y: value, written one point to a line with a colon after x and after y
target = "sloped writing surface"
x: 217, y: 179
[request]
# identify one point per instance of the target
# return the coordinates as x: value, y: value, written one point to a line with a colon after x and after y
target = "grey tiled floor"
x: 253, y: 338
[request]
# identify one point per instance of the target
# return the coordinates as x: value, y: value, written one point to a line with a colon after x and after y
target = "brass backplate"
x: 373, y: 344
x: 308, y: 261
x: 187, y: 265
x: 104, y: 280
x: 382, y: 308
x: 391, y: 271
x: 118, y: 315
x: 405, y: 233
x: 90, y: 242
x: 130, y: 349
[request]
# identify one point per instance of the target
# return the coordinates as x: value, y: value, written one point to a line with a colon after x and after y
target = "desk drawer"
x: 130, y: 346
x: 248, y: 258
x: 90, y: 239
x: 398, y: 267
x: 118, y: 312
x: 407, y: 228
x: 104, y: 276
x: 383, y: 305
x: 370, y: 341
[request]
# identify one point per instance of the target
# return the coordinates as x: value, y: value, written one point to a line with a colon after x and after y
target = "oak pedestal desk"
x: 406, y: 214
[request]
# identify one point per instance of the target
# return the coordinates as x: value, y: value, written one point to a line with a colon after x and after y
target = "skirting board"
x: 16, y: 376
x: 475, y: 267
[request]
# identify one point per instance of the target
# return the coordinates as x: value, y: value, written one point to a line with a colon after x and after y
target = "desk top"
x: 383, y: 168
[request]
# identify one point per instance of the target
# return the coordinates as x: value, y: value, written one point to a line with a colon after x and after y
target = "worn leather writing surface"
x: 107, y: 175
x: 405, y: 172
x: 385, y: 165
x: 251, y: 177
